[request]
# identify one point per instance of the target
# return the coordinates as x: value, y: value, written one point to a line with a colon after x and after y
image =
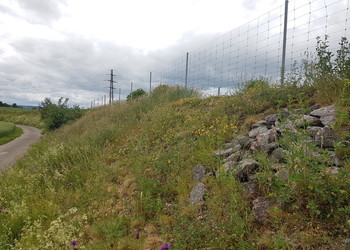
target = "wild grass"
x: 126, y: 169
x: 21, y: 116
x: 8, y: 132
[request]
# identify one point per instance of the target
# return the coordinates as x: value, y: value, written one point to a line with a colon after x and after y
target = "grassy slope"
x: 126, y: 169
x: 21, y: 116
x: 6, y: 128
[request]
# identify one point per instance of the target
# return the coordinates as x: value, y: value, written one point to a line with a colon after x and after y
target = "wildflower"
x: 166, y: 246
x: 74, y: 243
x: 137, y: 235
x: 1, y: 208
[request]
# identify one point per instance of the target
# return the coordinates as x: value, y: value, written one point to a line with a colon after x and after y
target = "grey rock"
x: 266, y: 141
x: 245, y: 168
x: 229, y: 166
x: 314, y: 107
x: 325, y: 137
x: 254, y: 132
x: 282, y: 174
x: 234, y: 157
x: 307, y: 120
x: 199, y: 173
x: 278, y: 155
x: 286, y: 127
x: 224, y: 153
x: 332, y: 170
x: 197, y: 194
x: 261, y: 123
x: 346, y: 241
x: 286, y: 113
x: 242, y: 140
x: 262, y: 205
x: 326, y: 114
x: 312, y: 131
x: 229, y: 145
x: 252, y: 188
x: 271, y: 119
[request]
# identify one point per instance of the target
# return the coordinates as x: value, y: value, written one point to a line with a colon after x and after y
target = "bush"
x: 55, y: 115
x: 135, y: 94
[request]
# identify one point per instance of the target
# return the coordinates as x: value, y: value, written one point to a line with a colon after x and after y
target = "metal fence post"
x: 186, y: 70
x: 150, y: 82
x: 284, y: 42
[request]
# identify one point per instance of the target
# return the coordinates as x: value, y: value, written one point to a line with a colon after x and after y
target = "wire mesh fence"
x: 254, y: 49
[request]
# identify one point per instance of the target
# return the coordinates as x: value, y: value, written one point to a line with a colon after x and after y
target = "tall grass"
x: 20, y: 116
x: 126, y: 169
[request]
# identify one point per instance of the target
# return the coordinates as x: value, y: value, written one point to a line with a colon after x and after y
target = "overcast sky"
x: 66, y: 48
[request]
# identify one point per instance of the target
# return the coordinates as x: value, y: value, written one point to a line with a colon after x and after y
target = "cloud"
x: 43, y: 12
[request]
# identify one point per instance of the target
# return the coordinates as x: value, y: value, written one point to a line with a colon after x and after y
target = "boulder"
x: 197, y: 194
x: 326, y: 114
x: 307, y: 120
x: 332, y: 170
x: 234, y: 157
x: 278, y: 155
x: 312, y: 131
x: 261, y: 123
x: 256, y: 131
x: 225, y: 153
x: 282, y: 174
x: 242, y: 140
x: 286, y: 113
x: 271, y: 119
x: 325, y: 137
x: 252, y: 188
x: 266, y: 141
x: 229, y: 166
x: 229, y: 145
x: 199, y: 173
x: 245, y: 168
x: 262, y: 205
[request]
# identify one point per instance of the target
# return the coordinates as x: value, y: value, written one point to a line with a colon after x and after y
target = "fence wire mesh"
x: 254, y: 49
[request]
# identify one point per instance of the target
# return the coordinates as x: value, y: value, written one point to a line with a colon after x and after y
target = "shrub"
x: 135, y: 94
x: 55, y: 115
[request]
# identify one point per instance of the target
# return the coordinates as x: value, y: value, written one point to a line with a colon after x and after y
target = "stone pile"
x: 238, y: 155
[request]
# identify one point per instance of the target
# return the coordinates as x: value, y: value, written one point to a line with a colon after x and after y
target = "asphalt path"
x: 10, y: 152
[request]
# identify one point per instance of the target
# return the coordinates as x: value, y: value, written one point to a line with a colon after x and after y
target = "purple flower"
x: 74, y: 243
x: 166, y: 246
x: 137, y: 235
x: 1, y: 208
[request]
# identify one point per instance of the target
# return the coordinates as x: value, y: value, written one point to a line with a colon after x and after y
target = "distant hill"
x: 28, y: 107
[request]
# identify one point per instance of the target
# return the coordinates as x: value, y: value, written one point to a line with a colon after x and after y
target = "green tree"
x: 135, y: 94
x: 55, y: 115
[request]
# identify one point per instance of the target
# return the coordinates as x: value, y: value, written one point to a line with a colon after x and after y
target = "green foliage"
x: 127, y: 168
x: 17, y: 132
x: 6, y: 128
x: 56, y: 115
x: 21, y: 116
x: 136, y: 94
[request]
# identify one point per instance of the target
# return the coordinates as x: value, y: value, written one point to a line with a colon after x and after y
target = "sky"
x: 66, y: 48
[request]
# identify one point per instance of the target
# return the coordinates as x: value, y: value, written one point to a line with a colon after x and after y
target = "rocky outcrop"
x: 314, y: 127
x: 238, y: 155
x: 197, y: 194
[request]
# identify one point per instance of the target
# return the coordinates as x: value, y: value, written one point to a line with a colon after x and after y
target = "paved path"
x: 11, y: 151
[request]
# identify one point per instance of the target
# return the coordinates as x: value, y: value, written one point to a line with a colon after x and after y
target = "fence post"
x: 219, y: 91
x: 186, y: 70
x: 284, y: 42
x: 150, y: 82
